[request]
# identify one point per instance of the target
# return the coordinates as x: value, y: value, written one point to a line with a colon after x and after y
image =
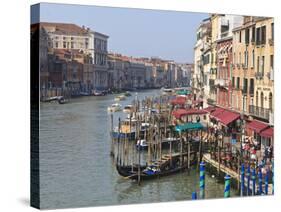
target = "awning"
x: 183, y: 92
x: 226, y: 117
x: 267, y: 133
x: 209, y: 109
x: 189, y: 126
x: 216, y: 112
x: 184, y: 112
x: 223, y: 116
x: 257, y: 126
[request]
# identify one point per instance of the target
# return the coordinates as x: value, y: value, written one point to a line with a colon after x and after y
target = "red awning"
x: 184, y: 112
x: 226, y: 117
x: 180, y: 100
x: 216, y: 112
x: 257, y: 126
x: 267, y: 133
x: 209, y: 109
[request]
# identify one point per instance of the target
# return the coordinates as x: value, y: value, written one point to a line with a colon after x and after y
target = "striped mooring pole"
x: 194, y: 196
x: 266, y: 182
x: 202, y: 180
x: 260, y: 181
x: 227, y: 186
x: 242, y: 179
x: 253, y: 181
x: 248, y: 180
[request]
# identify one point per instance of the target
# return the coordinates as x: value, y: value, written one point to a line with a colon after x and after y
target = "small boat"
x: 62, y: 100
x: 114, y: 107
x: 127, y: 93
x: 167, y: 91
x: 126, y: 171
x: 128, y: 109
x: 120, y: 98
x: 127, y: 129
x: 141, y: 144
x: 98, y: 93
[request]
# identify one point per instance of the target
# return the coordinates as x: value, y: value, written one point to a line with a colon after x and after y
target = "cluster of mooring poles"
x: 247, y: 182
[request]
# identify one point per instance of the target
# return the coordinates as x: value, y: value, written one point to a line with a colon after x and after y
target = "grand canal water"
x: 76, y: 169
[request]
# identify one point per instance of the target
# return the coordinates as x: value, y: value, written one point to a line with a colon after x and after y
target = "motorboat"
x: 114, y: 107
x: 120, y: 98
x: 142, y: 144
x: 128, y: 109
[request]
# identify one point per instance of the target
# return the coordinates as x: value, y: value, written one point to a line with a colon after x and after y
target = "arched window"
x: 261, y: 99
x: 270, y: 101
x: 257, y: 99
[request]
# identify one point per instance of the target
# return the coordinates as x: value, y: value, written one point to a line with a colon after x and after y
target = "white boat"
x: 120, y: 98
x: 114, y: 107
x: 128, y: 109
x: 141, y: 144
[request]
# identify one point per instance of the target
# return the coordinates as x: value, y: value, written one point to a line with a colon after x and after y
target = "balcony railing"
x: 270, y: 74
x: 222, y: 82
x: 259, y: 112
x: 258, y: 75
x: 271, y: 42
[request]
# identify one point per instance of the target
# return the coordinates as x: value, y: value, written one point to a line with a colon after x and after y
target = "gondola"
x: 146, y: 176
x: 126, y: 171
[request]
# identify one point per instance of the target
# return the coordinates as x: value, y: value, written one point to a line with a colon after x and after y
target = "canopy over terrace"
x: 223, y: 116
x: 184, y: 112
x: 256, y: 126
x: 183, y: 92
x: 267, y: 133
x: 189, y: 127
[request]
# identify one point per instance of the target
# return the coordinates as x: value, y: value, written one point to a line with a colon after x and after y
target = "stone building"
x: 253, y: 64
x: 93, y: 45
x: 200, y: 76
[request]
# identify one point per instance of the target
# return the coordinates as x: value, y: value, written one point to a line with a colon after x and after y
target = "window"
x: 64, y: 44
x: 57, y: 44
x: 233, y: 82
x: 247, y: 59
x: 262, y: 99
x: 253, y: 34
x: 245, y: 86
x: 263, y: 35
x: 258, y: 36
x: 253, y: 58
x: 257, y: 99
x: 258, y: 64
x: 272, y: 31
x: 247, y: 36
x: 252, y: 86
x: 270, y: 101
x: 271, y: 62
x: 240, y: 37
x: 72, y: 45
x: 238, y: 83
x: 262, y: 65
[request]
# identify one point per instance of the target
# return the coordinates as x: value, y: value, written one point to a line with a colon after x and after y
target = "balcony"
x: 258, y: 75
x: 271, y: 42
x: 271, y: 118
x: 270, y: 74
x: 259, y: 112
x: 244, y: 91
x: 222, y: 82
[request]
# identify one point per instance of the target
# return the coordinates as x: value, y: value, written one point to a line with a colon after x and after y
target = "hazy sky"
x: 134, y: 32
